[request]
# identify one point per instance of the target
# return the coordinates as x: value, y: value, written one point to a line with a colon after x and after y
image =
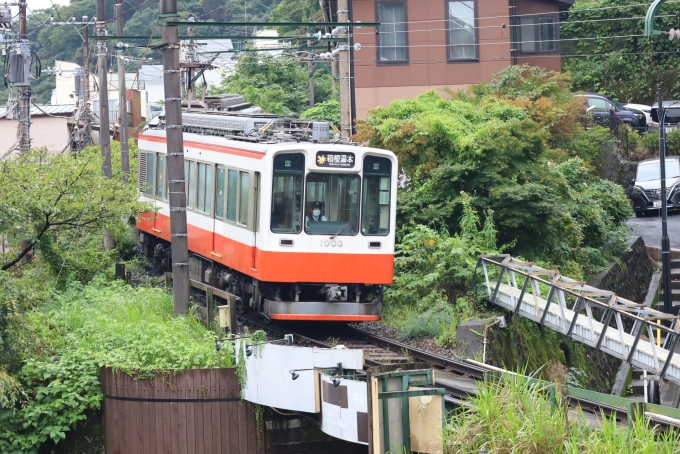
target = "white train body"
x: 252, y: 226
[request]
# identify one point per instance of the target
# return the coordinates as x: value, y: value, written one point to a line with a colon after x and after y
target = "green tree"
x: 276, y: 84
x: 500, y: 144
x: 45, y: 193
x: 603, y: 48
x: 328, y: 110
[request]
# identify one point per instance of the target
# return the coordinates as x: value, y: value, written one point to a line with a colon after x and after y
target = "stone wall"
x: 613, y: 167
x: 630, y: 275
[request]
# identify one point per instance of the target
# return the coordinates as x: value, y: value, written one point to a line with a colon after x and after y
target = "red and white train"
x: 296, y: 225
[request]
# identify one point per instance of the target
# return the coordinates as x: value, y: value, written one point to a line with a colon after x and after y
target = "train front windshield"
x: 333, y: 203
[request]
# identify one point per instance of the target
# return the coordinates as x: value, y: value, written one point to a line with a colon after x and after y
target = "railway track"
x: 458, y: 377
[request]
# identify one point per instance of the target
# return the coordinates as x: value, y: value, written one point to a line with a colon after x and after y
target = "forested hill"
x: 65, y: 43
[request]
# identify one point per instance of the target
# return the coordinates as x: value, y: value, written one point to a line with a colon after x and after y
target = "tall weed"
x: 512, y: 415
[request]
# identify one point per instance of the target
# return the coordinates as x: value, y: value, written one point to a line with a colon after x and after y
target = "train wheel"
x: 242, y: 308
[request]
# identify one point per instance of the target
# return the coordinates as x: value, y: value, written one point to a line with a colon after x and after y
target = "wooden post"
x: 120, y: 271
x: 210, y: 302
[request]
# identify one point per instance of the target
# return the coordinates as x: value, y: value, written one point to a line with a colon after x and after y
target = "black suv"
x: 600, y: 105
x: 646, y: 193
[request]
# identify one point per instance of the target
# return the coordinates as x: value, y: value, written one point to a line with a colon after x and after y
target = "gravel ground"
x: 427, y: 345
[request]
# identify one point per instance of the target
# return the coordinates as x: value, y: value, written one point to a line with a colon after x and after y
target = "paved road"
x: 649, y: 227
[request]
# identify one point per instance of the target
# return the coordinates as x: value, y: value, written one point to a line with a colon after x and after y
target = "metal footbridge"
x: 595, y: 317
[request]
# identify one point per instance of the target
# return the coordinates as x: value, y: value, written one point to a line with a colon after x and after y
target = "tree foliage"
x: 140, y: 17
x: 603, y: 48
x: 508, y: 144
x: 328, y: 110
x: 278, y: 85
x: 46, y: 193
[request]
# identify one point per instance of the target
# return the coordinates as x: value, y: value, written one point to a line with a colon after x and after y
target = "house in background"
x: 49, y: 127
x: 431, y: 44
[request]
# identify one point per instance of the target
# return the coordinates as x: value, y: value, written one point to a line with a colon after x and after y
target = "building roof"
x: 60, y: 110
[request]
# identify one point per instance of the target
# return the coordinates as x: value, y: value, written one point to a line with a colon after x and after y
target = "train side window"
x: 375, y: 206
x: 190, y: 180
x: 160, y: 176
x: 204, y: 190
x: 232, y: 194
x: 289, y: 169
x: 244, y: 198
x: 219, y: 192
x: 150, y: 158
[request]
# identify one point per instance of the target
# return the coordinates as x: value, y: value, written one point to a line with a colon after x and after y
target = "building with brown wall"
x: 432, y: 44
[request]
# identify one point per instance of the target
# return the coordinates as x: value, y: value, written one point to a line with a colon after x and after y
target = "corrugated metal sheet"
x: 61, y: 110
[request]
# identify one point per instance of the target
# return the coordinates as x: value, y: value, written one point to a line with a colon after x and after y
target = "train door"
x: 220, y: 203
x: 161, y: 194
x: 255, y: 217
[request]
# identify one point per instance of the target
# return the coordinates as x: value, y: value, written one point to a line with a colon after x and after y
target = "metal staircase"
x: 595, y: 317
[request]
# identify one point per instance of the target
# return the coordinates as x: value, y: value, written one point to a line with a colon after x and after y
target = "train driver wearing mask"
x: 316, y: 213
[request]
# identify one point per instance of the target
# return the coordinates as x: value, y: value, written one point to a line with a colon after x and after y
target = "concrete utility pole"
x: 104, y: 137
x: 343, y: 76
x: 87, y: 132
x: 122, y: 98
x: 24, y: 131
x: 175, y: 158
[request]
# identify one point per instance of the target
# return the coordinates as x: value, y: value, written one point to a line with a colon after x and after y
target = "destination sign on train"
x: 334, y: 159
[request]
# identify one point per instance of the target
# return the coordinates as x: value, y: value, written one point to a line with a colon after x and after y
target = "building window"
x: 462, y: 34
x: 538, y: 35
x: 392, y: 34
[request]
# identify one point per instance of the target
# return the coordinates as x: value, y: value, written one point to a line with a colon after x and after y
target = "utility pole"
x: 24, y: 86
x: 343, y: 76
x: 310, y: 72
x: 87, y: 133
x: 191, y: 94
x: 122, y: 98
x: 104, y: 137
x: 175, y: 158
x: 665, y: 241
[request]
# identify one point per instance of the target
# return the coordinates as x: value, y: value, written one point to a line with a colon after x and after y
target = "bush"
x: 93, y: 326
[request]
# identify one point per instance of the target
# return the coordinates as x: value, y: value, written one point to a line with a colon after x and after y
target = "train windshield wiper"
x: 343, y: 226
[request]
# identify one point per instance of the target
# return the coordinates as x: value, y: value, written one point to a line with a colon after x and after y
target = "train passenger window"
x: 190, y: 179
x: 204, y: 188
x: 289, y: 168
x: 336, y: 197
x: 160, y: 176
x: 244, y: 198
x: 375, y: 204
x: 219, y: 198
x: 232, y: 195
x: 150, y: 158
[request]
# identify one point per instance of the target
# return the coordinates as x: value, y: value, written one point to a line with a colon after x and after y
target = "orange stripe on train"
x: 273, y: 266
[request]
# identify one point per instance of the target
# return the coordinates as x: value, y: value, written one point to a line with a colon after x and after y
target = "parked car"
x: 600, y: 105
x: 647, y: 110
x: 672, y: 119
x: 646, y: 194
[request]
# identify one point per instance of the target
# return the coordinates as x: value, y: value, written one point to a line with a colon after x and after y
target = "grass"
x: 511, y: 416
x: 131, y: 328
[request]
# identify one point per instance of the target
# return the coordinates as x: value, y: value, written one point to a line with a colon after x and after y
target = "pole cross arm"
x: 649, y: 18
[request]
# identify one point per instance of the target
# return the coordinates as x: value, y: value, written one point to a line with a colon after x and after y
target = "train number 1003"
x: 331, y: 243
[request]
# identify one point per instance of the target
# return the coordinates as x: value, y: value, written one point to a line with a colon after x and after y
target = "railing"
x: 595, y: 317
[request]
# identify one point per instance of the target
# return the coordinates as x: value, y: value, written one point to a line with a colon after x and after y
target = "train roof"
x: 260, y: 131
